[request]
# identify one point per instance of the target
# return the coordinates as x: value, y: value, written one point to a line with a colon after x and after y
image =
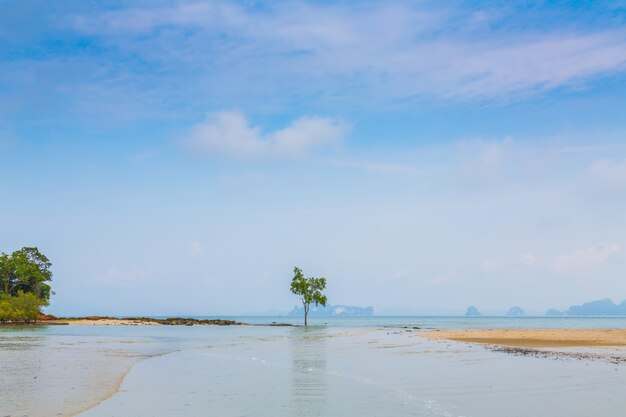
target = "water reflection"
x: 308, y: 365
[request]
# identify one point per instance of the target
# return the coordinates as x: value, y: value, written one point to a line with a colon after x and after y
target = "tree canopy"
x: 309, y: 290
x: 26, y: 270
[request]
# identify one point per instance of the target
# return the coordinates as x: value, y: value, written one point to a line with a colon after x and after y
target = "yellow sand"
x: 535, y: 338
x: 103, y: 322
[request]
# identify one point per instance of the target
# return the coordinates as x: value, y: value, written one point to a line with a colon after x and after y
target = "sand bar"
x: 560, y: 338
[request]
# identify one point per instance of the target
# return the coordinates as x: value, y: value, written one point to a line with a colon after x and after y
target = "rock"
x: 181, y: 321
x: 472, y: 311
x: 44, y: 317
x: 515, y: 312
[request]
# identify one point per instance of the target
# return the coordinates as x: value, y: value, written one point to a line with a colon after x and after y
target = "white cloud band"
x: 229, y: 133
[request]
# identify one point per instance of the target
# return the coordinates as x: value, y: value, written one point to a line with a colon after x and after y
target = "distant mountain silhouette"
x: 554, y: 313
x: 334, y: 311
x: 515, y: 312
x: 472, y: 311
x: 604, y: 307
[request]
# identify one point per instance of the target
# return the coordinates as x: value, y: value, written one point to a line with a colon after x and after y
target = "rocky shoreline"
x: 170, y: 321
x: 48, y: 319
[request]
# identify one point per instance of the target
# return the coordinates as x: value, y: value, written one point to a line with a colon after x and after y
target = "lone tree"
x: 309, y: 290
x: 24, y: 288
x: 26, y: 270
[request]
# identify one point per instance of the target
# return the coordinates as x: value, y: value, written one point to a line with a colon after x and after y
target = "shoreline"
x: 49, y: 320
x: 126, y: 321
x: 535, y: 338
x: 141, y: 321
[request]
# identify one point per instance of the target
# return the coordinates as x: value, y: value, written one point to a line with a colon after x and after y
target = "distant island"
x: 334, y: 311
x: 605, y: 307
x: 515, y: 312
x: 554, y: 313
x: 472, y: 311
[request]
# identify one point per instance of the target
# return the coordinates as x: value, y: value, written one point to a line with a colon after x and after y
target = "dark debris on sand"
x: 559, y: 355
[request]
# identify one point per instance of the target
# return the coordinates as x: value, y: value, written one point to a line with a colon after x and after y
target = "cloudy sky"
x: 179, y: 157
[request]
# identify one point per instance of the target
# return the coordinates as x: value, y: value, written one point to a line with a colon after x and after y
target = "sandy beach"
x: 103, y: 322
x: 561, y: 338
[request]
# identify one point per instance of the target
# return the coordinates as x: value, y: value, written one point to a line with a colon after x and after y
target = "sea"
x: 366, y: 366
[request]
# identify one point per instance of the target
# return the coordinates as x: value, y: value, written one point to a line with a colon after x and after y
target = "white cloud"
x: 125, y: 277
x: 530, y: 259
x: 442, y: 279
x: 401, y: 273
x: 493, y: 154
x: 592, y: 148
x: 229, y: 133
x: 580, y: 259
x: 195, y: 248
x: 377, y: 167
x: 392, y: 50
x: 485, y: 160
x: 609, y: 172
x: 586, y: 258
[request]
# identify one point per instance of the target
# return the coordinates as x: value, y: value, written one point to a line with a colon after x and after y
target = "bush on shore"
x: 23, y: 307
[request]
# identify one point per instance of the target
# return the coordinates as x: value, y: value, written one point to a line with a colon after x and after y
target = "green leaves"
x: 309, y: 290
x: 23, y: 307
x: 26, y: 270
x: 23, y: 284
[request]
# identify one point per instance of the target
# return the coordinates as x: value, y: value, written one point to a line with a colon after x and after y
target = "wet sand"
x: 535, y: 338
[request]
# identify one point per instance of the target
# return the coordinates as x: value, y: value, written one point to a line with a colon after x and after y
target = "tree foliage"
x: 24, y: 288
x: 309, y: 290
x: 26, y: 270
x: 22, y: 307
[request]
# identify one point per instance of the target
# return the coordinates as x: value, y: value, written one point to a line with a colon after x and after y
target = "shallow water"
x: 448, y: 322
x: 287, y: 371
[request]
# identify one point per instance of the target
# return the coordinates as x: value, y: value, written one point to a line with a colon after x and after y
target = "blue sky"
x: 181, y: 157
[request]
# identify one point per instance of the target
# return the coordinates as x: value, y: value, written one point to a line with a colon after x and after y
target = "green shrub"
x: 23, y: 307
x: 6, y: 308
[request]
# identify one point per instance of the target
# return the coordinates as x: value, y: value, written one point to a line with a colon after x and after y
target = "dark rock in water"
x: 472, y: 311
x: 176, y: 321
x: 515, y: 312
x: 554, y: 313
x: 181, y: 321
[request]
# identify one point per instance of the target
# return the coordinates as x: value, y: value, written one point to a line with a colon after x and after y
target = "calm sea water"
x: 348, y: 367
x: 447, y: 322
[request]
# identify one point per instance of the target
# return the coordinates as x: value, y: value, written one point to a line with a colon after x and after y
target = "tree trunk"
x: 306, y: 312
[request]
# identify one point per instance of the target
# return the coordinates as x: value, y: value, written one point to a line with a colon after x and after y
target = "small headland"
x: 48, y: 319
x: 144, y: 321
